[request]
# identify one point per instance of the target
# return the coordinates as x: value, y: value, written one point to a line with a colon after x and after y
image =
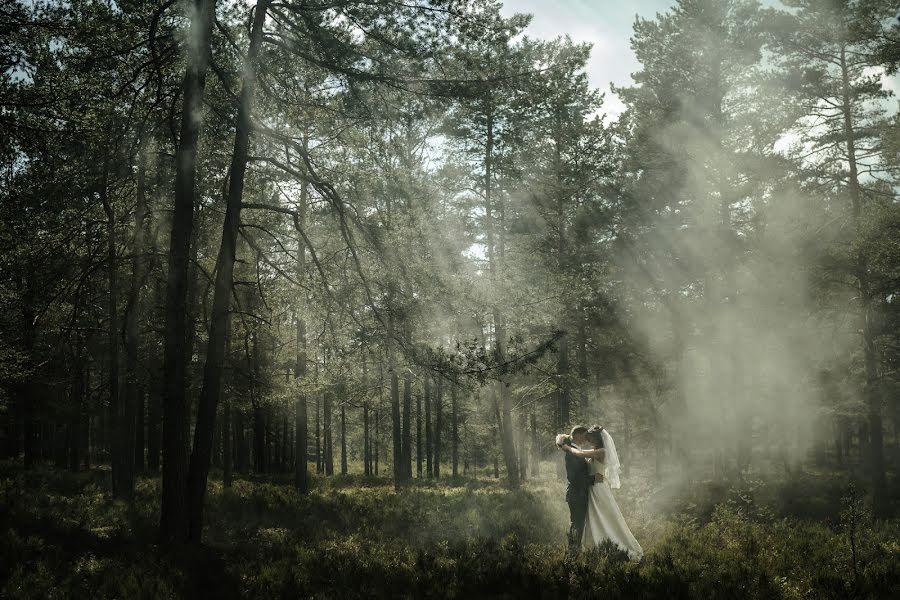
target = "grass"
x: 353, y: 537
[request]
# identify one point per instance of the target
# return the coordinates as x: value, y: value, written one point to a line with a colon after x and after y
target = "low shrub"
x: 63, y: 537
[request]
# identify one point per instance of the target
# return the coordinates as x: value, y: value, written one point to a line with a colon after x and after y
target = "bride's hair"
x: 594, y: 434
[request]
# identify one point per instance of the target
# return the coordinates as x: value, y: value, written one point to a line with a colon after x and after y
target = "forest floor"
x: 63, y: 537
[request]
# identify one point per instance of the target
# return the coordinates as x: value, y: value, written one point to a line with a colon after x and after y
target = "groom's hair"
x: 578, y: 429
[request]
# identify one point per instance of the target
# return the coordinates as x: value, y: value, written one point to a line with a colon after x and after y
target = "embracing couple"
x: 592, y: 469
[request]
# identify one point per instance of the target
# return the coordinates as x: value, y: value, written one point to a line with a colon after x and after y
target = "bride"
x: 604, y: 519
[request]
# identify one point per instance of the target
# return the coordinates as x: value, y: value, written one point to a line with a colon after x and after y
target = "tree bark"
x: 326, y: 433
x: 343, y: 434
x: 155, y: 398
x: 494, y: 268
x: 407, y: 425
x: 224, y: 282
x: 227, y: 457
x: 429, y: 441
x: 319, y: 465
x: 190, y: 339
x: 454, y: 433
x: 79, y: 406
x: 871, y: 391
x: 259, y: 417
x: 301, y: 475
x: 438, y: 425
x: 376, y: 442
x: 139, y: 430
x: 122, y: 465
x: 419, y: 436
x: 174, y: 517
x: 153, y: 422
x: 259, y: 440
x: 397, y: 433
x: 522, y: 452
x: 217, y: 443
x: 285, y: 433
x: 367, y: 448
x: 133, y: 409
x: 240, y: 452
x: 582, y: 366
x: 562, y: 384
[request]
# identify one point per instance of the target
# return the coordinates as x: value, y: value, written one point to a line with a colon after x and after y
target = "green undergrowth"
x: 63, y: 537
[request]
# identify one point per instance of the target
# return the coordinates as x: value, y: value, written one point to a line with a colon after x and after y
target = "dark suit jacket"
x: 578, y: 477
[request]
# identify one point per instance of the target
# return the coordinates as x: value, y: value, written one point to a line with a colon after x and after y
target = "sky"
x: 604, y: 23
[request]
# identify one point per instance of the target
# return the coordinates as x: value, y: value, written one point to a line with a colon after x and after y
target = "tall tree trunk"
x: 438, y: 425
x: 289, y: 456
x: 522, y: 452
x: 506, y: 423
x: 271, y: 441
x: 26, y: 398
x: 407, y: 424
x: 376, y: 442
x: 259, y: 440
x: 227, y: 434
x: 122, y: 465
x: 87, y: 438
x: 582, y: 366
x: 495, y: 256
x: 429, y: 442
x: 326, y: 433
x: 174, y: 505
x: 343, y: 434
x: 154, y: 418
x: 367, y: 448
x: 11, y: 431
x: 268, y: 440
x: 871, y: 391
x: 241, y: 454
x: 397, y: 433
x: 156, y: 391
x: 139, y: 429
x: 319, y: 465
x: 301, y: 476
x: 285, y: 432
x: 190, y: 340
x: 419, y: 436
x: 562, y: 384
x: 259, y: 417
x: 235, y: 425
x: 217, y: 443
x: 79, y: 407
x: 227, y: 457
x: 133, y: 400
x: 273, y: 436
x: 454, y: 433
x: 215, y: 351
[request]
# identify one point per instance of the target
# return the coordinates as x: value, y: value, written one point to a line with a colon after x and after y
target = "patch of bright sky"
x: 607, y: 24
x: 604, y: 23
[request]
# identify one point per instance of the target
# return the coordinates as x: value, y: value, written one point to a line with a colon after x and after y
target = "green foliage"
x: 63, y: 537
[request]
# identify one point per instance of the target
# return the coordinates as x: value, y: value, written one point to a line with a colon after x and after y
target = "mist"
x: 333, y: 300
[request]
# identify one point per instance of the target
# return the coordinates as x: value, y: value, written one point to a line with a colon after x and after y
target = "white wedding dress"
x: 604, y: 519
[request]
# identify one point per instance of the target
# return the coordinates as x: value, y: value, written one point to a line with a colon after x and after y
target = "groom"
x: 578, y: 489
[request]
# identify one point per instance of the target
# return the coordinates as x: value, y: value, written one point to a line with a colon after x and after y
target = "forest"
x: 295, y: 296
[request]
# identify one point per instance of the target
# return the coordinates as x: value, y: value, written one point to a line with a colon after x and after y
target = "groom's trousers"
x: 578, y: 503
